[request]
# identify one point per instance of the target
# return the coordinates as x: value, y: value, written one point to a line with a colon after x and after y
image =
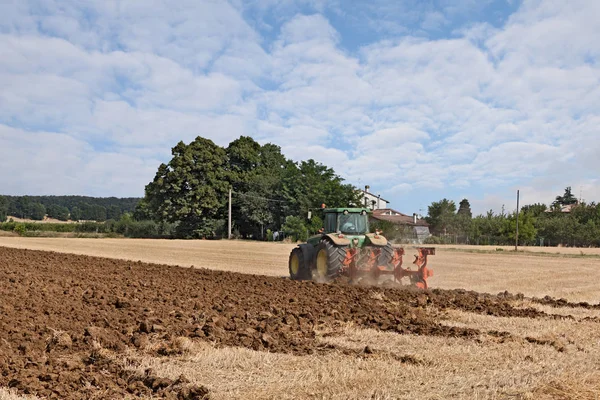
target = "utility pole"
x: 517, y: 235
x: 229, y: 236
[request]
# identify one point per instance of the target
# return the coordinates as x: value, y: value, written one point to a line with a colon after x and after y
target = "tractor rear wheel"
x: 386, y: 255
x: 298, y: 266
x: 329, y: 261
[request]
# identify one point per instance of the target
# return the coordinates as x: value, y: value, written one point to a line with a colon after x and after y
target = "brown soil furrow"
x: 60, y: 311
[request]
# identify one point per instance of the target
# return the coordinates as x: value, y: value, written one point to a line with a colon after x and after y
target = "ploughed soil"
x: 65, y: 319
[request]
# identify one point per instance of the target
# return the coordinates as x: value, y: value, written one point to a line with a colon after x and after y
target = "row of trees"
x: 64, y: 208
x: 539, y: 224
x: 269, y: 190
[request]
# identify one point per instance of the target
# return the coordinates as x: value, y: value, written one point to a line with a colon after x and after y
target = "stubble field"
x: 75, y: 326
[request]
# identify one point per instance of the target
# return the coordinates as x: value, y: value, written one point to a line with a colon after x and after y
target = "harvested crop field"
x: 565, y: 272
x: 75, y: 326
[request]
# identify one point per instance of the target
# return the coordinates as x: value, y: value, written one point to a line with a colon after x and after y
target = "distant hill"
x: 66, y: 208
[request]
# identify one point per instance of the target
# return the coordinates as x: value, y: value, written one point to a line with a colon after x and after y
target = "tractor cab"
x: 348, y: 221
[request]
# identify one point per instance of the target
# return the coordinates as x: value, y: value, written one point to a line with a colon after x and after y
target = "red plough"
x: 363, y: 262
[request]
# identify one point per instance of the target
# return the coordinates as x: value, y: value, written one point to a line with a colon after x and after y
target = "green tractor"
x: 347, y: 247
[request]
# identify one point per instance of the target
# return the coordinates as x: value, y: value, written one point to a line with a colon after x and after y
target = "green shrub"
x: 294, y: 227
x: 19, y: 229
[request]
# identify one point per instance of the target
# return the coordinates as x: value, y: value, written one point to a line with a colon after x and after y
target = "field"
x: 76, y: 326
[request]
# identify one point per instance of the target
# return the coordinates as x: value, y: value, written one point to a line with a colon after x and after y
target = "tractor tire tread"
x: 335, y: 259
x: 304, y: 272
x: 386, y: 255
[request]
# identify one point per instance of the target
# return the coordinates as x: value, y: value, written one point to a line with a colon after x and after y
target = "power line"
x: 260, y: 197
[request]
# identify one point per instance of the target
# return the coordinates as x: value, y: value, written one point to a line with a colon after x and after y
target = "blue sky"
x: 418, y: 99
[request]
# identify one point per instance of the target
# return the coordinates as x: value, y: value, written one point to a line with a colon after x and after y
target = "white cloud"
x: 477, y: 114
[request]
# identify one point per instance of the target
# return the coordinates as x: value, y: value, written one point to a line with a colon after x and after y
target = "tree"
x: 441, y: 216
x: 142, y: 212
x: 3, y: 208
x: 535, y: 210
x: 58, y: 212
x: 37, y: 211
x: 75, y: 214
x: 308, y: 184
x: 113, y: 212
x: 255, y: 175
x: 566, y: 199
x: 527, y: 230
x: 191, y: 189
x: 464, y: 209
x: 294, y: 227
x: 464, y: 217
x: 20, y: 207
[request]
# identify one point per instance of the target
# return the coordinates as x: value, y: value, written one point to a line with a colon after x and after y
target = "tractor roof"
x: 350, y: 210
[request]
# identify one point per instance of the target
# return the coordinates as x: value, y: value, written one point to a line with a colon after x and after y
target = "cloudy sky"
x: 419, y: 99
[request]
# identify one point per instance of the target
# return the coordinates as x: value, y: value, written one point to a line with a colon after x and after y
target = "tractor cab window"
x: 330, y: 223
x: 353, y: 224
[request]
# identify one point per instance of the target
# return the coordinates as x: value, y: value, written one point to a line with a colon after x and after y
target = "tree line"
x: 270, y: 192
x: 565, y: 221
x: 66, y: 208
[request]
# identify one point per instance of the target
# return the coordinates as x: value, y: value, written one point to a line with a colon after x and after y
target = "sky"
x: 420, y: 100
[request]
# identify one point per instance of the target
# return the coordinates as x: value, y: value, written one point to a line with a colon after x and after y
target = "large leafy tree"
x: 37, y: 211
x: 308, y: 184
x: 191, y: 189
x: 255, y: 174
x: 59, y: 212
x: 441, y: 216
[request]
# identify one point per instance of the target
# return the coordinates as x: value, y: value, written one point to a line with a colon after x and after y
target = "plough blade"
x: 364, y: 263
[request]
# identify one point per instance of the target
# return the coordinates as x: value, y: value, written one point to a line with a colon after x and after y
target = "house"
x: 372, y: 201
x: 410, y: 228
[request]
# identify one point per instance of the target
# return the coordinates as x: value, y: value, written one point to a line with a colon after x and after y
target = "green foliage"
x: 192, y: 189
x: 315, y: 224
x: 36, y: 226
x: 294, y: 227
x: 75, y: 214
x: 255, y: 175
x: 3, y: 208
x: 566, y: 199
x: 309, y: 184
x: 79, y: 207
x: 58, y: 212
x: 537, y: 225
x: 113, y: 212
x: 19, y: 229
x: 37, y: 211
x: 535, y: 210
x: 441, y: 216
x: 464, y: 209
x: 142, y: 212
x: 126, y: 226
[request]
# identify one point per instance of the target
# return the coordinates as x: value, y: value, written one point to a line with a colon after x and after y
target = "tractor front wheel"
x: 329, y: 261
x: 299, y: 269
